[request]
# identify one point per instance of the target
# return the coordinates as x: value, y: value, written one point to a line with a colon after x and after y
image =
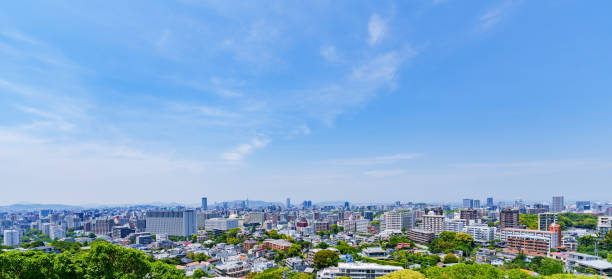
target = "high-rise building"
x: 468, y: 203
x: 346, y: 204
x: 557, y: 204
x: 476, y: 203
x: 547, y: 219
x: 11, y: 238
x: 397, y: 221
x: 172, y: 223
x: 468, y: 214
x: 204, y: 203
x: 481, y: 232
x: 490, y: 202
x: 509, y: 218
x: 583, y: 205
x: 433, y: 223
x: 288, y: 203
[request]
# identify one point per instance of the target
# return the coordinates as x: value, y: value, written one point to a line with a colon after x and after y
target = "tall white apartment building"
x: 11, y: 238
x: 433, y: 223
x: 361, y: 225
x: 454, y: 226
x: 481, y: 233
x: 396, y: 221
x: 221, y: 224
x: 173, y: 223
x: 604, y: 224
x: 56, y: 232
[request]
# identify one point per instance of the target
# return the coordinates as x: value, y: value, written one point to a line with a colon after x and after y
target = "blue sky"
x: 142, y: 101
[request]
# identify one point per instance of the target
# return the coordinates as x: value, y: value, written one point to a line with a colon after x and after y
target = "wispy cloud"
x: 329, y: 53
x: 301, y: 130
x: 380, y: 160
x: 384, y: 173
x: 377, y: 27
x: 494, y: 15
x: 245, y: 149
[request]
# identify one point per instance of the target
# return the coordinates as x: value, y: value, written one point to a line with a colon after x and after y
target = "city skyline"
x: 423, y: 101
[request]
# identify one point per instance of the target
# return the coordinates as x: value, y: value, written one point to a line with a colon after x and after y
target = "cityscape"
x: 238, y: 239
x: 321, y: 139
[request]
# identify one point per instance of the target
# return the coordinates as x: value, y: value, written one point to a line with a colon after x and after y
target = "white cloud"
x: 384, y: 173
x: 301, y: 130
x: 377, y: 27
x: 382, y: 68
x: 493, y: 16
x: 380, y: 160
x: 329, y: 53
x: 245, y: 149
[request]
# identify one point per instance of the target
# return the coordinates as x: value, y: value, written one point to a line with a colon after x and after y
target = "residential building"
x: 12, y: 238
x: 579, y: 262
x: 56, y: 232
x: 604, y: 224
x: 468, y: 214
x: 172, y: 223
x: 277, y: 244
x: 509, y: 218
x: 122, y: 232
x: 557, y: 204
x: 374, y: 253
x: 533, y: 242
x: 454, y: 226
x: 418, y: 235
x: 433, y: 223
x: 481, y: 232
x: 361, y: 225
x: 546, y: 219
x: 357, y: 271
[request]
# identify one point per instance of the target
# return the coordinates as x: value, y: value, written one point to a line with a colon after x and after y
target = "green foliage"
x: 476, y: 271
x: 344, y: 248
x: 198, y: 273
x: 585, y: 221
x: 325, y: 258
x: 407, y: 258
x: 295, y: 250
x: 450, y: 258
x: 396, y: 239
x: 270, y: 273
x: 334, y: 229
x: 382, y: 262
x: 541, y: 265
x: 403, y: 274
x: 529, y: 220
x: 448, y: 242
x: 198, y: 257
x: 103, y: 260
x: 322, y: 245
x: 586, y: 244
x: 296, y: 275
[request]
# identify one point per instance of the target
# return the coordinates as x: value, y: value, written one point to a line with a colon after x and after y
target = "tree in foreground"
x: 325, y: 258
x: 403, y: 274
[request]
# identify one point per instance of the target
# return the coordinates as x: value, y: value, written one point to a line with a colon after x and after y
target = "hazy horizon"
x: 412, y: 101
